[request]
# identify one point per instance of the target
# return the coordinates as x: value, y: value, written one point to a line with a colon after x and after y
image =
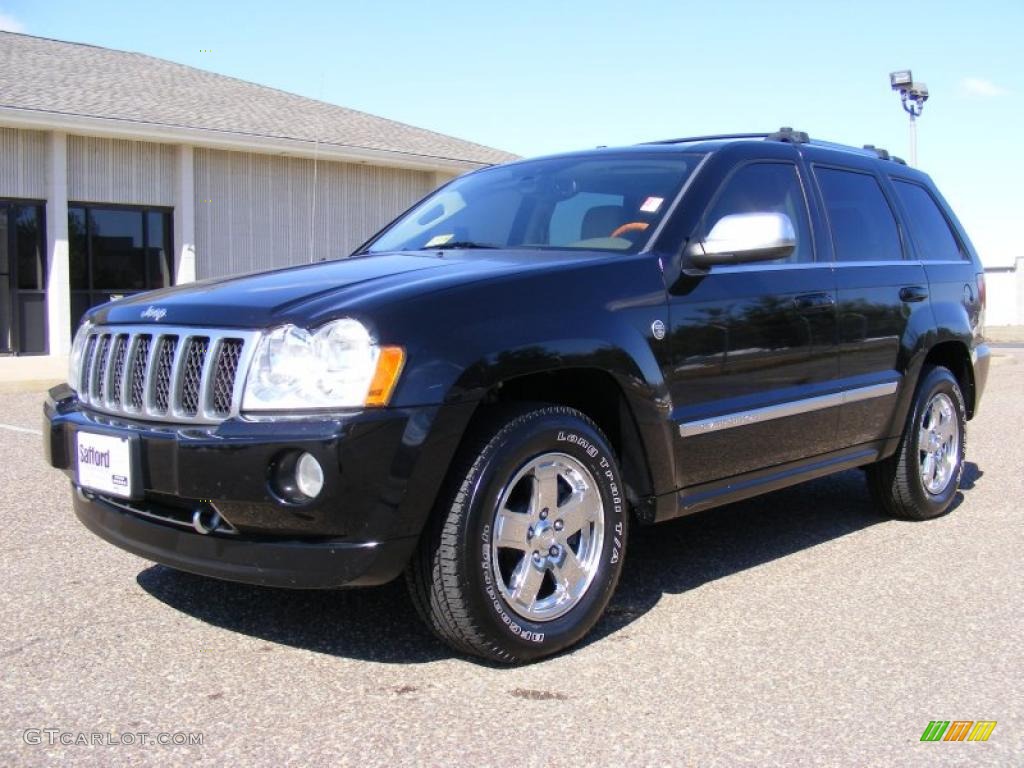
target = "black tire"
x: 896, y: 483
x: 451, y: 578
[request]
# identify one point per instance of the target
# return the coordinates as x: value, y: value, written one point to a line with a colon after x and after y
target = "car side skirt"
x: 715, y: 494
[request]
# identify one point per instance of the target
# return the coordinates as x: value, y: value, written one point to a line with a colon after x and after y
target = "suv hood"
x: 295, y: 294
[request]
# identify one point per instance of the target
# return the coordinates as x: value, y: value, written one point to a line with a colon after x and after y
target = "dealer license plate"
x: 104, y: 463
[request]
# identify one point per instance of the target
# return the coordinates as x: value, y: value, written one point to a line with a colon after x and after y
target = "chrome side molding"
x: 782, y: 410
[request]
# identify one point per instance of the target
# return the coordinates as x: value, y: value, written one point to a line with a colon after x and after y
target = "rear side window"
x: 933, y: 238
x: 766, y: 188
x: 863, y: 225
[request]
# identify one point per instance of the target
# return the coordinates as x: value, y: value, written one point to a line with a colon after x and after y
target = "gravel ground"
x: 796, y: 629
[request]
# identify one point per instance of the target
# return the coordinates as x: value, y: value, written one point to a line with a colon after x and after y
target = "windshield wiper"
x: 467, y: 244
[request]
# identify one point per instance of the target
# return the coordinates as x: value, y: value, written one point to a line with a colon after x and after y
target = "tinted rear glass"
x: 863, y: 225
x: 933, y: 239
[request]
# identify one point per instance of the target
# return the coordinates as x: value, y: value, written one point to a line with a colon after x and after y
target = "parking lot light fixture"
x: 912, y: 97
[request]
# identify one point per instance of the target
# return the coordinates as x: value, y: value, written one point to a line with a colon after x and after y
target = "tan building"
x: 120, y: 172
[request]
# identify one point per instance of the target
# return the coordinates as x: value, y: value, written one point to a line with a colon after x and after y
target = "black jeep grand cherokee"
x: 537, y: 356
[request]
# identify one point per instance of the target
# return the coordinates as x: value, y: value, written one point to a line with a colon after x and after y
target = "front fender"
x: 462, y: 344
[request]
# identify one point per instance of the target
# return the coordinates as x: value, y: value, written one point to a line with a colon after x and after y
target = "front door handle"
x: 912, y: 293
x: 814, y: 302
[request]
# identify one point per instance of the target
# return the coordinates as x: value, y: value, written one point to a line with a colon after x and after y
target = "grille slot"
x: 85, y: 379
x: 192, y: 373
x: 117, y: 360
x: 137, y: 377
x: 181, y: 375
x: 164, y: 370
x: 224, y: 376
x: 99, y: 371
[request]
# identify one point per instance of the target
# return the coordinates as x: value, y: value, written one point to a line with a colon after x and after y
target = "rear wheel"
x: 921, y: 479
x: 527, y: 546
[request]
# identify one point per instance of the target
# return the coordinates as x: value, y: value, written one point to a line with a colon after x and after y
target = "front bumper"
x: 382, y: 470
x: 298, y: 564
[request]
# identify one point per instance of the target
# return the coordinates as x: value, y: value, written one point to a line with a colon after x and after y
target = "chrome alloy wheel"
x: 548, y: 537
x: 938, y: 444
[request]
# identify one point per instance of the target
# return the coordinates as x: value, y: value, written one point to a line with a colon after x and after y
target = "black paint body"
x: 477, y: 324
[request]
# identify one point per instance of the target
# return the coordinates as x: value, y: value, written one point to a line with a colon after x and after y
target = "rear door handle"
x: 814, y: 302
x: 912, y: 293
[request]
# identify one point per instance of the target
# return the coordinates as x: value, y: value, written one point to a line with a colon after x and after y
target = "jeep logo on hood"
x: 156, y: 314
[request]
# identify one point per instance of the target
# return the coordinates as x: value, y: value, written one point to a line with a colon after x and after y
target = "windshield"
x: 609, y: 202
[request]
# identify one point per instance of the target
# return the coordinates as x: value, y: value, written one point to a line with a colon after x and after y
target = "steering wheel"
x: 632, y: 226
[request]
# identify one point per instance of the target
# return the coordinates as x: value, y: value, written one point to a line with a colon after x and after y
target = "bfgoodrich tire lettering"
x: 454, y: 579
x: 908, y: 484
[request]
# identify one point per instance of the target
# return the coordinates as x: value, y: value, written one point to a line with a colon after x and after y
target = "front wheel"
x: 527, y: 546
x: 921, y: 479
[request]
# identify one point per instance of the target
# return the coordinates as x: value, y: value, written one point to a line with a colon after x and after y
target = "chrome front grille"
x: 179, y: 374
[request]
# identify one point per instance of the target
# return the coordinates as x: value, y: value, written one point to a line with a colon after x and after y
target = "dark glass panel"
x: 158, y: 251
x: 863, y: 224
x: 932, y: 236
x: 78, y: 252
x: 31, y: 269
x: 117, y: 250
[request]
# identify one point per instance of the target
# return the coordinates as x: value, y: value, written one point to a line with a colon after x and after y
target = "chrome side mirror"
x: 743, y: 237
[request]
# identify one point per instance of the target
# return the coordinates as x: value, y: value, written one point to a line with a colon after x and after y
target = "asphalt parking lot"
x: 797, y: 629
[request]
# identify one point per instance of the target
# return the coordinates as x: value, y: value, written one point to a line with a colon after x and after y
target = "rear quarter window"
x: 929, y: 229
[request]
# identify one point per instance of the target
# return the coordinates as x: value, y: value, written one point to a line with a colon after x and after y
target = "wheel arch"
x: 600, y: 396
x: 953, y: 354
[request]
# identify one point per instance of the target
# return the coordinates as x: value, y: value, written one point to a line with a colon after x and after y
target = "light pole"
x: 912, y: 96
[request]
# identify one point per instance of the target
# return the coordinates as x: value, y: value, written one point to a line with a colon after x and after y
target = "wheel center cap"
x: 544, y: 532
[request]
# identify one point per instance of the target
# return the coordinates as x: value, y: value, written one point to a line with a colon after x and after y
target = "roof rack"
x: 710, y: 137
x: 783, y: 134
x: 789, y: 136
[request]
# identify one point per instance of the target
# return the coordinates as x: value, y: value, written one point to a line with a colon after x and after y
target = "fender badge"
x: 658, y: 329
x: 155, y: 314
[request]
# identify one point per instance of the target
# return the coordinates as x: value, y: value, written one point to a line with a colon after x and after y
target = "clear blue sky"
x: 538, y: 77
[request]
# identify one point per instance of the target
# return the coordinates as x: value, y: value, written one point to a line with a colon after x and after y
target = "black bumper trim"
x: 293, y: 564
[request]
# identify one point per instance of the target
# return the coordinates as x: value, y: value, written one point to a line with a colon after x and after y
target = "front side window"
x: 863, y: 225
x: 115, y: 252
x: 766, y: 188
x: 933, y: 238
x: 607, y: 202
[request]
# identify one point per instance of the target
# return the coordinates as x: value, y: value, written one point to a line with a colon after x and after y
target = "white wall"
x: 1004, y: 289
x: 120, y: 171
x: 256, y: 212
x: 23, y: 164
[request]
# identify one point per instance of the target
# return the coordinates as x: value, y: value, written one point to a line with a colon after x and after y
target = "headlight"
x: 77, y: 350
x: 340, y: 365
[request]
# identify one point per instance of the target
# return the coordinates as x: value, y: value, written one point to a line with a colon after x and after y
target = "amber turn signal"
x: 389, y: 368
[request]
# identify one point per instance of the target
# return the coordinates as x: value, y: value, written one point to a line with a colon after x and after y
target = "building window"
x: 116, y: 251
x: 22, y: 278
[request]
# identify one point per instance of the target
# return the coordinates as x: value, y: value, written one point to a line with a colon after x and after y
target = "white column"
x: 58, y: 283
x: 185, y: 218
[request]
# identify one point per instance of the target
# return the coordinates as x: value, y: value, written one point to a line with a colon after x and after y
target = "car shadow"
x: 380, y: 624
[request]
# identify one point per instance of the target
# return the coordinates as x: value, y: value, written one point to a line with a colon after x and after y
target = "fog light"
x: 309, y: 475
